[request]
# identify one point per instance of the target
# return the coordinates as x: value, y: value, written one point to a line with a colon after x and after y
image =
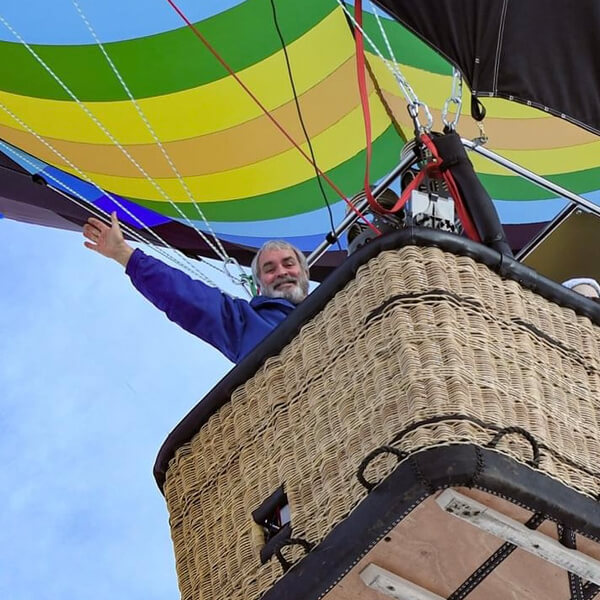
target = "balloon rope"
x: 73, y: 196
x: 86, y: 178
x: 97, y: 122
x: 220, y: 251
x: 268, y: 114
x: 364, y: 101
x: 413, y: 101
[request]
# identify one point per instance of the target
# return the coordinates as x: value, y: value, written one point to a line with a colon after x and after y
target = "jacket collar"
x: 265, y: 300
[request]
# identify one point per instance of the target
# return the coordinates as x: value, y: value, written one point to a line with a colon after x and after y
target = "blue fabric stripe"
x: 58, y: 22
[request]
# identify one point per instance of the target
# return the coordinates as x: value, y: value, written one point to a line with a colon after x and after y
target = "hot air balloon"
x: 100, y: 114
x: 475, y: 375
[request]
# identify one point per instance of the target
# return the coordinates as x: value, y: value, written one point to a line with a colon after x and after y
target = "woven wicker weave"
x: 420, y: 337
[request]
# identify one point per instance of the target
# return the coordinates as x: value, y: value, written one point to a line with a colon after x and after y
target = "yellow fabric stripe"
x: 332, y: 147
x: 251, y: 141
x: 258, y: 139
x: 209, y: 108
x: 544, y: 162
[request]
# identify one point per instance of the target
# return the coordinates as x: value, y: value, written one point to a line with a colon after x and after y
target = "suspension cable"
x: 73, y: 195
x: 300, y: 116
x: 220, y: 251
x: 455, y: 97
x: 99, y: 124
x: 414, y: 104
x: 241, y: 279
x: 86, y: 178
x: 267, y: 113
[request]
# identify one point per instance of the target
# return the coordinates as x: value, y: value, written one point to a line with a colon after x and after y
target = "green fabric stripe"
x: 408, y: 48
x: 307, y: 196
x: 299, y: 198
x: 511, y: 187
x: 243, y: 36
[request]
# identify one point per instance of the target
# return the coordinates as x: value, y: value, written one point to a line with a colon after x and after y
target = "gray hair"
x: 277, y: 245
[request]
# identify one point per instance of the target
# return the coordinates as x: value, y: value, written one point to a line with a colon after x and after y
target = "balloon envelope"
x: 134, y: 113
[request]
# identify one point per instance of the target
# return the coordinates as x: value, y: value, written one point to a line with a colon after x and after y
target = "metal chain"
x: 414, y: 104
x: 455, y: 99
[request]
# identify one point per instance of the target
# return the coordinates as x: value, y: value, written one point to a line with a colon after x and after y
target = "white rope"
x: 73, y: 195
x: 189, y: 265
x: 220, y: 251
x: 98, y: 123
x: 413, y: 101
x: 226, y: 260
x: 455, y: 97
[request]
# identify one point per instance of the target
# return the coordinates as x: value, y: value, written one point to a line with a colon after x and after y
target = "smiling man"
x: 282, y: 271
x: 232, y: 325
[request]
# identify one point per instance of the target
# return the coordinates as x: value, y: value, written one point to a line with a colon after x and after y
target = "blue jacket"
x: 232, y: 325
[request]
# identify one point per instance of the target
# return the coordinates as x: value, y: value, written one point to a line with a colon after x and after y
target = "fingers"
x: 114, y: 224
x: 101, y: 224
x: 97, y: 223
x: 90, y: 246
x: 91, y: 232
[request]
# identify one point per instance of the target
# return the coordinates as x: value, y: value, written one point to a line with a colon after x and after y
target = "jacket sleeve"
x: 202, y: 310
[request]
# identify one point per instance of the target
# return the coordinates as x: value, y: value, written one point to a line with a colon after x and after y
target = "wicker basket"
x: 422, y: 348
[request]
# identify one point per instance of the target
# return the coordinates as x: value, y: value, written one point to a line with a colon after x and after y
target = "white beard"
x: 294, y: 294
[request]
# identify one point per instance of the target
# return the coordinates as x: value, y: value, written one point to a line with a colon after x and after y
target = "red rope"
x: 432, y: 169
x: 268, y: 114
x: 364, y: 101
x: 461, y: 209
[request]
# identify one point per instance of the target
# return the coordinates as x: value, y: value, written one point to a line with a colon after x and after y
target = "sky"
x: 92, y: 380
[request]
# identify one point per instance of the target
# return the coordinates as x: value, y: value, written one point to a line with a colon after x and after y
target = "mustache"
x: 284, y: 279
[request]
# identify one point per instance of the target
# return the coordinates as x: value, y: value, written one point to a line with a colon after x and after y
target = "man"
x: 232, y: 325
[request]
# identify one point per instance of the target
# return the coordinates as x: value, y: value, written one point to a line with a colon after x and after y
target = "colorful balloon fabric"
x: 122, y: 106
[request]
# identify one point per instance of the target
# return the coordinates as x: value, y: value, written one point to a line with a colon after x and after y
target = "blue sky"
x: 92, y: 379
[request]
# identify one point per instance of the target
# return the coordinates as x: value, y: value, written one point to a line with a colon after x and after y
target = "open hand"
x: 107, y: 240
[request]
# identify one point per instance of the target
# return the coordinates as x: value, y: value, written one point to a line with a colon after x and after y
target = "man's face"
x: 282, y: 276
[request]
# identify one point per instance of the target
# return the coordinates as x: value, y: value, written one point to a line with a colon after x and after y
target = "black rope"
x: 462, y: 302
x: 493, y: 427
x: 375, y: 82
x: 492, y: 562
x: 285, y: 564
x: 535, y: 461
x: 590, y: 591
x: 435, y: 294
x: 360, y: 472
x: 301, y: 118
